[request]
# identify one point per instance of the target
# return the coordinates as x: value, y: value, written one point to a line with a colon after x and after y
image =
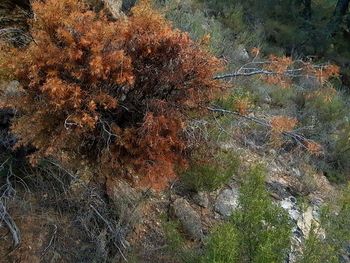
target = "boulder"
x: 226, y: 202
x: 189, y: 218
x: 201, y: 199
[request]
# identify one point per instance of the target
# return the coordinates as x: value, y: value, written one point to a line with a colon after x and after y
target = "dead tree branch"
x: 298, y: 138
x: 259, y: 68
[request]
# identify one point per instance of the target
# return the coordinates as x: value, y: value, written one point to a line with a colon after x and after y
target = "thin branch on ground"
x: 300, y: 139
x: 51, y: 240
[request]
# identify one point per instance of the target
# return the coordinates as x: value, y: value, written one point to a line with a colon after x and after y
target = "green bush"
x: 335, y: 220
x: 197, y: 19
x: 342, y: 149
x: 338, y: 166
x: 330, y: 240
x: 173, y: 236
x: 222, y: 246
x: 176, y: 243
x: 282, y: 96
x: 327, y: 111
x: 259, y: 231
x: 283, y: 24
x: 188, y: 17
x: 207, y: 173
x: 316, y: 250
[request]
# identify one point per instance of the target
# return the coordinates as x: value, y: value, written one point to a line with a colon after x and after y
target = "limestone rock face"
x: 289, y: 204
x: 114, y: 6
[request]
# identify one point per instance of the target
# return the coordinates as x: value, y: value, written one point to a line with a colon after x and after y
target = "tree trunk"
x: 307, y: 12
x: 340, y: 10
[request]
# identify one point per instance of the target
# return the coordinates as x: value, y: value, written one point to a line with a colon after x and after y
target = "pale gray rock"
x: 226, y: 202
x: 290, y: 205
x: 114, y: 6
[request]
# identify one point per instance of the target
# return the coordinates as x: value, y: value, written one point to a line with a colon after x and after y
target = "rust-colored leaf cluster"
x: 322, y: 73
x: 278, y: 66
x: 282, y: 124
x: 313, y: 147
x: 255, y: 51
x: 111, y: 92
x: 282, y: 70
x: 243, y: 105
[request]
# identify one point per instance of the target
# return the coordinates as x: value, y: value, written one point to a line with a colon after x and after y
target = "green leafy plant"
x: 209, y: 172
x: 222, y: 246
x: 328, y: 241
x: 316, y: 249
x: 259, y: 231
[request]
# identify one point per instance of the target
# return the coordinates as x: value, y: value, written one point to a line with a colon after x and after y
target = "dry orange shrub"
x: 279, y: 125
x: 313, y: 147
x: 113, y: 93
x: 255, y: 51
x: 243, y: 105
x: 278, y: 65
x: 282, y: 124
x: 322, y: 73
x: 284, y: 69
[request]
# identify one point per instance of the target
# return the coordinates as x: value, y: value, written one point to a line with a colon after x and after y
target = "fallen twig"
x: 11, y: 225
x: 111, y: 229
x: 51, y: 240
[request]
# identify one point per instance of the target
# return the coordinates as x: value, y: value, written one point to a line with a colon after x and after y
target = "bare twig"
x: 111, y: 229
x: 256, y: 68
x: 246, y: 74
x: 51, y: 240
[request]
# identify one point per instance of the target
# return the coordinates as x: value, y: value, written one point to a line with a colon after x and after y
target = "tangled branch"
x: 282, y: 67
x: 298, y: 138
x: 7, y: 192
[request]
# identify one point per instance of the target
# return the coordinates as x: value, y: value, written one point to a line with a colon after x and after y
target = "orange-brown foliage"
x: 323, y: 73
x: 243, y: 105
x: 114, y: 93
x: 255, y: 51
x: 284, y: 69
x: 313, y: 147
x: 282, y: 124
x: 278, y: 65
